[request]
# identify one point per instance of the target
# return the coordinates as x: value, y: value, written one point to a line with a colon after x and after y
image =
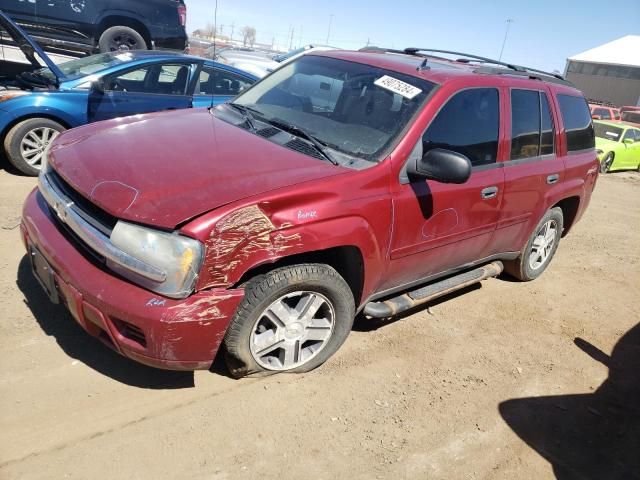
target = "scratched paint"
x: 238, y: 236
x: 199, y: 310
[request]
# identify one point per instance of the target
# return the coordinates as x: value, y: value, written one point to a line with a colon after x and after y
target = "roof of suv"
x: 440, y: 69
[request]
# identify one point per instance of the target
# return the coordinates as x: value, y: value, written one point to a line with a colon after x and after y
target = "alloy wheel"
x: 292, y: 330
x: 543, y: 244
x: 34, y: 143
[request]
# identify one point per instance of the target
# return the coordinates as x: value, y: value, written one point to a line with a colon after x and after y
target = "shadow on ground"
x: 588, y: 436
x: 56, y: 321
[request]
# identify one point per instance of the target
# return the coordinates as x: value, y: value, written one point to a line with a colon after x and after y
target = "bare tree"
x: 248, y: 36
x: 209, y: 31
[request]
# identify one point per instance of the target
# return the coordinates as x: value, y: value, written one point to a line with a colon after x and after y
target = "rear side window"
x: 469, y: 124
x: 531, y: 124
x: 577, y: 122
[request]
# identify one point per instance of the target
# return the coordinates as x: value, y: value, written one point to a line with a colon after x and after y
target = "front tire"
x: 121, y: 39
x: 606, y: 163
x: 291, y: 319
x: 540, y: 249
x: 26, y: 142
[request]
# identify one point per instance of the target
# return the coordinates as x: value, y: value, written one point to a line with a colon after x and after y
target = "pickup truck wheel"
x: 291, y: 319
x: 606, y: 163
x: 119, y: 39
x: 26, y: 142
x: 540, y: 249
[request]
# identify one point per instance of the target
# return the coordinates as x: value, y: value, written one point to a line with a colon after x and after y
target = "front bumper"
x: 157, y: 331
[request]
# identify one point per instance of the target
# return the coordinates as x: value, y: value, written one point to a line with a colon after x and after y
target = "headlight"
x: 12, y: 94
x: 179, y: 257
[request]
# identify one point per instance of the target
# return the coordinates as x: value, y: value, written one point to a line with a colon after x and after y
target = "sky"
x: 542, y: 35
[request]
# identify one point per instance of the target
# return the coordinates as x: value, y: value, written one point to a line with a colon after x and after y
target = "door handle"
x: 489, y: 192
x: 551, y: 179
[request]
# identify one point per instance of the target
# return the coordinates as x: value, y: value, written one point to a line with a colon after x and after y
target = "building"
x: 609, y: 73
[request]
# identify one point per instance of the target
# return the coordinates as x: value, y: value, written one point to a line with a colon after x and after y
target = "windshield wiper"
x: 319, y: 145
x: 247, y: 116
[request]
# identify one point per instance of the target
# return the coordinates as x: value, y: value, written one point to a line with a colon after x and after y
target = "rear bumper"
x: 146, y: 327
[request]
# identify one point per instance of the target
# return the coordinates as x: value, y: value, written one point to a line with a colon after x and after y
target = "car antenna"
x: 215, y: 27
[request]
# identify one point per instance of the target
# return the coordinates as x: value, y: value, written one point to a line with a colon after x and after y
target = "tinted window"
x: 547, y: 136
x: 525, y: 124
x: 577, y: 122
x: 602, y: 130
x: 531, y: 124
x: 166, y: 79
x: 215, y: 81
x: 468, y: 124
x: 603, y: 113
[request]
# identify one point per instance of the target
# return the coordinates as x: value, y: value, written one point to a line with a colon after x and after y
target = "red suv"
x: 344, y: 182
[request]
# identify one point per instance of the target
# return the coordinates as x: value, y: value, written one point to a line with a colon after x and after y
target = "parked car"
x: 36, y: 106
x: 604, y: 112
x: 343, y: 182
x: 617, y: 146
x: 631, y: 117
x: 261, y: 63
x: 104, y: 25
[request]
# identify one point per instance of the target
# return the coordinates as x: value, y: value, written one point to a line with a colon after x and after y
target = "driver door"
x: 438, y: 226
x: 149, y: 88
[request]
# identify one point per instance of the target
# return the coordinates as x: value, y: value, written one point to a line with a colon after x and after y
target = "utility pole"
x: 233, y: 24
x: 329, y: 29
x: 291, y: 39
x: 506, y: 32
x: 300, y: 37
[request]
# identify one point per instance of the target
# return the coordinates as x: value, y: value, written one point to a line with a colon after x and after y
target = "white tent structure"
x: 609, y: 73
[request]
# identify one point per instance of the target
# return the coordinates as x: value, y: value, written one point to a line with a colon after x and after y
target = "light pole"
x: 215, y: 28
x: 506, y: 32
x: 329, y: 29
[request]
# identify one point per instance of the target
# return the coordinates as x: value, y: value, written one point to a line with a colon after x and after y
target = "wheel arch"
x: 569, y: 207
x: 347, y: 260
x: 28, y: 116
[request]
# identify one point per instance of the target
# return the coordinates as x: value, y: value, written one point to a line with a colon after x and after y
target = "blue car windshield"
x: 81, y: 67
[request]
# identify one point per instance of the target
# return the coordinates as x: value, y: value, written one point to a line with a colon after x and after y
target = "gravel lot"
x: 421, y: 397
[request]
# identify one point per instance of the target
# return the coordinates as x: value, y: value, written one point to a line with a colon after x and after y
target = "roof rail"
x: 517, y: 68
x: 526, y: 73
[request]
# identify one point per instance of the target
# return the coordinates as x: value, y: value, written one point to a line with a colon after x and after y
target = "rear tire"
x: 26, y: 142
x: 291, y: 319
x: 540, y: 249
x: 121, y: 39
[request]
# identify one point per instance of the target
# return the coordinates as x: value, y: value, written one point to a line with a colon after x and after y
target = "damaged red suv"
x: 344, y: 182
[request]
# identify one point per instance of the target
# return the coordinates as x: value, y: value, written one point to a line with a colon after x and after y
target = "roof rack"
x: 469, y: 57
x: 510, y: 68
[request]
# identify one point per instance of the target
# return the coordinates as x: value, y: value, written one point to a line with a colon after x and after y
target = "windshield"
x: 607, y: 131
x: 80, y: 67
x: 356, y: 109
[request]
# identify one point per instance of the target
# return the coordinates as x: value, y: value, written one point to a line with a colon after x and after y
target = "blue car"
x: 37, y: 104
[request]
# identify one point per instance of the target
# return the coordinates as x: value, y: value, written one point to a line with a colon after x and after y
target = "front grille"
x: 89, y: 212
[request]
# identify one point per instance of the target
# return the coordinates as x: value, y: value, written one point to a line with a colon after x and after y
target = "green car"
x: 617, y: 146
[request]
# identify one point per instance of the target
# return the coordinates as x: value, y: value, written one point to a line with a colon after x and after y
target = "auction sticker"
x: 397, y: 86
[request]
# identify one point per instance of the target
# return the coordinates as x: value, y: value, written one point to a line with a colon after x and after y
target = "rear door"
x: 217, y: 85
x: 437, y: 226
x: 143, y: 89
x: 534, y: 169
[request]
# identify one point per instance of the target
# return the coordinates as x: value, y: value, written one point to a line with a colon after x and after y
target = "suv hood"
x: 28, y: 46
x: 165, y: 168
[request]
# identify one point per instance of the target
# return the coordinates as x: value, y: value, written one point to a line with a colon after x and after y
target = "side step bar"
x: 395, y: 305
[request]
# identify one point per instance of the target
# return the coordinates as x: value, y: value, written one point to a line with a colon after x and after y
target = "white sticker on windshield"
x: 397, y: 86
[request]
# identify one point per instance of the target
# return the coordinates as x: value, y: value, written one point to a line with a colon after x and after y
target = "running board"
x: 395, y: 305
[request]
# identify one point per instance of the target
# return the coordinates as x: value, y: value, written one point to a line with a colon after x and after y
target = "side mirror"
x: 98, y: 85
x: 628, y: 141
x: 445, y: 166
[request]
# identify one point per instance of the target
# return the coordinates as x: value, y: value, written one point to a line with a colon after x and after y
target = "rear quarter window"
x: 577, y: 122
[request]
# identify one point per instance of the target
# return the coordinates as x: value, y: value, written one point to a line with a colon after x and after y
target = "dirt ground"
x: 444, y: 393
